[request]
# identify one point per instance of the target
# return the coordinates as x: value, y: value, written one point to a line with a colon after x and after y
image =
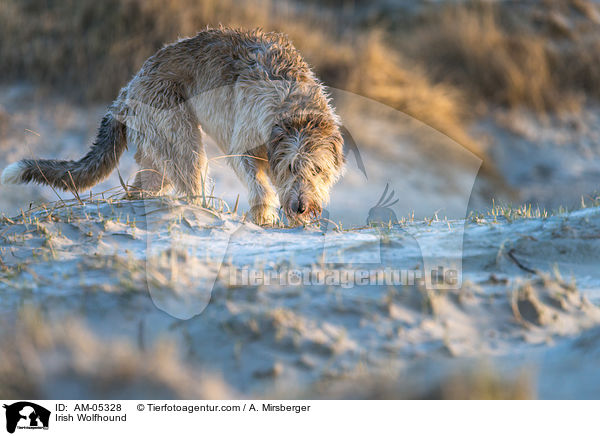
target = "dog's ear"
x: 269, y: 152
x: 277, y: 133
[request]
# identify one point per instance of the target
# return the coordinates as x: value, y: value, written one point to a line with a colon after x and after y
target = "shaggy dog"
x: 250, y: 91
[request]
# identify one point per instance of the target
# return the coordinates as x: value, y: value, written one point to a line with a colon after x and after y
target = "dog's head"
x: 306, y: 158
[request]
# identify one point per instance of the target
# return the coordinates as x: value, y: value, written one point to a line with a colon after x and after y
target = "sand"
x: 160, y: 271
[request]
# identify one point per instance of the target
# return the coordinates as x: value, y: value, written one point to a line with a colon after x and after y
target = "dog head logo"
x: 382, y: 212
x: 26, y: 415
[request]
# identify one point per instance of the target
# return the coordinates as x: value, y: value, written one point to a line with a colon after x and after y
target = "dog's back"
x: 212, y: 59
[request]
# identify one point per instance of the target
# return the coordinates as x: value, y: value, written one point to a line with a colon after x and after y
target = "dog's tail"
x: 90, y: 170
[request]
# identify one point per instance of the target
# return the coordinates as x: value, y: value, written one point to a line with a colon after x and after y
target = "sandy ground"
x: 125, y: 299
x: 142, y: 284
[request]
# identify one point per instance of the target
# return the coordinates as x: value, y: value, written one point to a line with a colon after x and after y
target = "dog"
x: 251, y: 91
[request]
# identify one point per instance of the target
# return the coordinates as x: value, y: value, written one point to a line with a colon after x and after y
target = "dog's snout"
x: 298, y: 206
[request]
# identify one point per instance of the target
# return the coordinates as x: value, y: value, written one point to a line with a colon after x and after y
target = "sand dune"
x: 130, y: 274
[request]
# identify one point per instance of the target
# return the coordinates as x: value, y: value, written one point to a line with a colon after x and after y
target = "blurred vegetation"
x: 544, y: 55
x: 439, y: 64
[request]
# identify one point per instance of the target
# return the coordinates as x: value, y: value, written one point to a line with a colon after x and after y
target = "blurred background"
x: 453, y: 104
x: 515, y: 83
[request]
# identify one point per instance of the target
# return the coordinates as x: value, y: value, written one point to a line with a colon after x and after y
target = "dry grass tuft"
x: 470, y: 48
x: 544, y: 56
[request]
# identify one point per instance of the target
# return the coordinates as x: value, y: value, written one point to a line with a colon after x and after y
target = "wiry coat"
x: 251, y: 91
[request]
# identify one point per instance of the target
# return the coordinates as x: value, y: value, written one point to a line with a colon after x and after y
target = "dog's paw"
x: 264, y: 216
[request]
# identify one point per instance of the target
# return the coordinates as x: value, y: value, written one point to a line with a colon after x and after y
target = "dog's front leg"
x: 261, y: 196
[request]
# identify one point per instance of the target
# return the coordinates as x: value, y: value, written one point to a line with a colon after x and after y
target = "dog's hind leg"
x: 151, y: 178
x: 187, y: 167
x: 149, y: 182
x: 177, y: 153
x: 167, y: 136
